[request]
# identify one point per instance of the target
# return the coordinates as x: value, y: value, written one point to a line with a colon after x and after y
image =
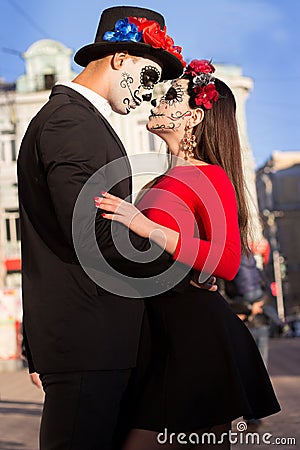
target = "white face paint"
x: 172, y: 111
x: 135, y: 80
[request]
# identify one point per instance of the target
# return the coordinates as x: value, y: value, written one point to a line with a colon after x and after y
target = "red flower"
x: 169, y: 43
x: 200, y: 66
x: 153, y: 35
x: 206, y: 95
x: 141, y: 22
x: 176, y: 51
x: 156, y: 37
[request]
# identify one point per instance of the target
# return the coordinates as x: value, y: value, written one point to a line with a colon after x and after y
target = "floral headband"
x: 140, y: 29
x: 203, y: 82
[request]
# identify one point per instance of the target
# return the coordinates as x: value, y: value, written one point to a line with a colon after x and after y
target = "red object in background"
x: 273, y: 287
x: 262, y: 248
x: 13, y: 265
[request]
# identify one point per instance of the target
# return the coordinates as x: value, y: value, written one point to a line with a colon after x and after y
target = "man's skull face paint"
x: 137, y: 81
x: 149, y: 77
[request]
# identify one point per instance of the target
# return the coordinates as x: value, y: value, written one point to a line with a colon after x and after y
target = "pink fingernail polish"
x: 103, y: 193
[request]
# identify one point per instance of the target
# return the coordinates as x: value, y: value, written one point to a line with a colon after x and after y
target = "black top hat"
x: 138, y: 37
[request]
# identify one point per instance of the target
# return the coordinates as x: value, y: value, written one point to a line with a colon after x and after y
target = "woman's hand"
x: 130, y: 216
x: 124, y: 212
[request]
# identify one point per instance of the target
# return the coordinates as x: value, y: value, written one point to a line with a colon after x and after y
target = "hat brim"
x: 171, y: 65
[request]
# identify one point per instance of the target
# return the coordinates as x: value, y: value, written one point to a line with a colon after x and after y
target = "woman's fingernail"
x: 97, y: 199
x: 103, y: 193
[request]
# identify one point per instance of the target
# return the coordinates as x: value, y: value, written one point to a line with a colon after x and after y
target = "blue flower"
x: 124, y: 31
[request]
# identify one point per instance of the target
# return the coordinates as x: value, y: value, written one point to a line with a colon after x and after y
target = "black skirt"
x: 198, y: 366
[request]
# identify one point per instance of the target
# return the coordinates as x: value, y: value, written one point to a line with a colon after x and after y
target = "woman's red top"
x: 200, y: 203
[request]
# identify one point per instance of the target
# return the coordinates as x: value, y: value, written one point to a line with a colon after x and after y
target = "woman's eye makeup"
x: 149, y: 77
x: 173, y: 95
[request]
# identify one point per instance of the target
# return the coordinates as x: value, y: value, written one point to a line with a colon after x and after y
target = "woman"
x: 205, y: 369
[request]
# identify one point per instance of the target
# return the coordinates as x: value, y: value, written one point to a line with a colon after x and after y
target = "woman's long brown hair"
x: 218, y: 143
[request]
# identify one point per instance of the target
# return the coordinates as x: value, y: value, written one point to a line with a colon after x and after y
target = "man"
x: 80, y: 337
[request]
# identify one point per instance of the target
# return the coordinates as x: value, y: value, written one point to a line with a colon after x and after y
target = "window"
x: 12, y: 225
x: 2, y: 151
x: 49, y: 81
x: 8, y: 152
x: 13, y: 150
x: 151, y: 142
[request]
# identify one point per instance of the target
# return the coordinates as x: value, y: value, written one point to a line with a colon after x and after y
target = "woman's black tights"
x: 216, y: 437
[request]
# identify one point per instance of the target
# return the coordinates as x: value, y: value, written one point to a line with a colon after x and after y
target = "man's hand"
x: 35, y: 379
x: 243, y: 317
x: 210, y: 284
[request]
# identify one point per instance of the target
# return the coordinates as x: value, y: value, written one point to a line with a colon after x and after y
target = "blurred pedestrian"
x: 250, y: 298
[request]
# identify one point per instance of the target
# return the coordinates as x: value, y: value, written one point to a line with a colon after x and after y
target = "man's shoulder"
x: 63, y: 96
x: 65, y: 105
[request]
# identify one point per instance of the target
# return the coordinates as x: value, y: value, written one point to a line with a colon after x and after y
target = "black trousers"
x: 81, y: 409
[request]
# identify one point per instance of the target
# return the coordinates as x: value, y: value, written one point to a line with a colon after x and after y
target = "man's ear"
x: 197, y: 117
x: 118, y: 60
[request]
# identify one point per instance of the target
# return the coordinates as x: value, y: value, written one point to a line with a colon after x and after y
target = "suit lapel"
x: 61, y: 89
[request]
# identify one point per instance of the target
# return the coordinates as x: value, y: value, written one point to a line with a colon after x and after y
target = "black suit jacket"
x: 71, y: 323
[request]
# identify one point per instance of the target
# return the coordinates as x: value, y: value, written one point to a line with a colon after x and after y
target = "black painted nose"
x: 153, y: 102
x: 147, y: 97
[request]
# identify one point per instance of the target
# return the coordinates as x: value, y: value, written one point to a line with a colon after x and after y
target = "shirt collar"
x: 97, y: 100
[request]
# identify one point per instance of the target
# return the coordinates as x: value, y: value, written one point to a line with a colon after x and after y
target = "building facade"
x: 46, y: 62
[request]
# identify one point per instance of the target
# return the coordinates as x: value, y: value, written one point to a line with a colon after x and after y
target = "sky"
x: 260, y: 36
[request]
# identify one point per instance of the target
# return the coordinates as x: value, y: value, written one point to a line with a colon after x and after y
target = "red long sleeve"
x: 199, y: 202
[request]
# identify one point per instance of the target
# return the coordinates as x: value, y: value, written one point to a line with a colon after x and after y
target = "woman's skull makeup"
x: 172, y: 108
x: 137, y: 81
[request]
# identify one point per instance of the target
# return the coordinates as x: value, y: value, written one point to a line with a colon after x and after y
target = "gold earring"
x: 189, y: 143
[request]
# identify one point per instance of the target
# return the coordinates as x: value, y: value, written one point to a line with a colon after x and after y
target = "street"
x: 21, y: 405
